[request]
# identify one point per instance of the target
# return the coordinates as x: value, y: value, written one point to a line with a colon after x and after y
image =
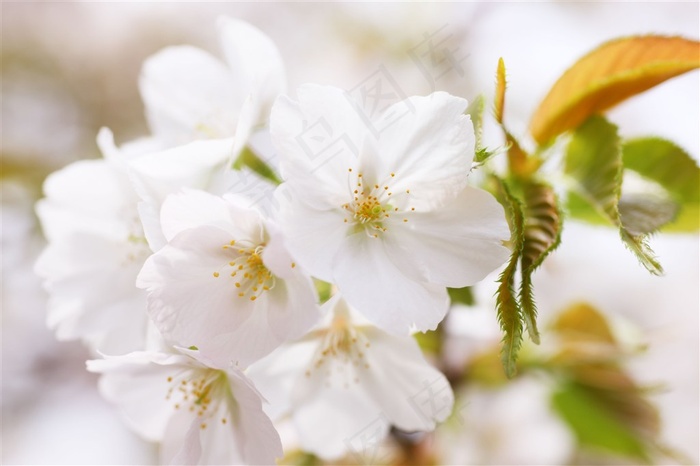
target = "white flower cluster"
x: 198, y: 282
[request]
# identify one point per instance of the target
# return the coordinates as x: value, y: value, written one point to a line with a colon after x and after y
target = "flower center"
x: 343, y: 345
x: 199, y: 391
x: 247, y: 270
x: 370, y: 209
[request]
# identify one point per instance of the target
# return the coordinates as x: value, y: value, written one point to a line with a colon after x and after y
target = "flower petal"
x: 189, y: 94
x: 458, y: 244
x: 181, y: 443
x: 192, y: 208
x: 276, y: 374
x: 88, y: 196
x: 92, y: 294
x: 256, y: 61
x: 429, y: 150
x: 196, y: 165
x: 370, y: 282
x: 255, y: 436
x: 412, y: 393
x: 318, y: 138
x: 138, y: 382
x: 313, y: 235
x: 338, y: 419
x: 292, y: 307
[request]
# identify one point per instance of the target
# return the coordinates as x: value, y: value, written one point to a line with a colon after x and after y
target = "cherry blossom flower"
x: 388, y: 217
x: 346, y: 375
x: 95, y: 251
x: 202, y: 413
x: 190, y: 94
x: 225, y: 282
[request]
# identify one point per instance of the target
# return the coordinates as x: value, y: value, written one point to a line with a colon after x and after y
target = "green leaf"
x: 643, y: 214
x: 542, y: 234
x: 250, y: 159
x: 461, y: 295
x: 668, y: 165
x: 594, y: 161
x: 594, y: 426
x: 476, y: 111
x: 507, y: 307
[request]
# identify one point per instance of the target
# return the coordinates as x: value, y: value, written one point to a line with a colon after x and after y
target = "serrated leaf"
x: 594, y: 161
x: 643, y: 214
x: 507, y: 306
x: 607, y: 76
x: 541, y: 235
x: 500, y: 97
x: 668, y: 165
x: 594, y: 425
x: 640, y: 247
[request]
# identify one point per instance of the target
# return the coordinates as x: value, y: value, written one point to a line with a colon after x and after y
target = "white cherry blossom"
x: 190, y: 94
x: 387, y: 216
x: 96, y: 247
x: 200, y: 412
x: 346, y: 375
x: 225, y: 282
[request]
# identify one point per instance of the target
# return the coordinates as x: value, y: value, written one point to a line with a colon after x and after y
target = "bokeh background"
x: 69, y: 69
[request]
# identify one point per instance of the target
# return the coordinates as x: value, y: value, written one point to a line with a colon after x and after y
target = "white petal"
x: 276, y: 256
x: 373, y: 284
x: 275, y: 375
x: 292, y: 307
x: 138, y: 383
x: 412, y: 393
x: 339, y: 419
x: 256, y: 61
x: 430, y: 149
x: 313, y: 236
x: 181, y: 443
x: 89, y: 196
x: 92, y: 292
x: 192, y: 208
x: 458, y: 244
x: 318, y: 139
x: 255, y: 435
x: 189, y: 95
x: 119, y: 156
x: 155, y: 176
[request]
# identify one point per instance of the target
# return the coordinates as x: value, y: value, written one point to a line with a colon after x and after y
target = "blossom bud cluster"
x: 222, y: 304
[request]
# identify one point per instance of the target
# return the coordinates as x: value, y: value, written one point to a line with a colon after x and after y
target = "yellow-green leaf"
x: 594, y: 163
x: 594, y: 425
x: 608, y: 75
x: 668, y: 165
x: 499, y: 100
x: 583, y: 322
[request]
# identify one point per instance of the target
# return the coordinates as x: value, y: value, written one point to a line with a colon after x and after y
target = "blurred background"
x: 69, y: 69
